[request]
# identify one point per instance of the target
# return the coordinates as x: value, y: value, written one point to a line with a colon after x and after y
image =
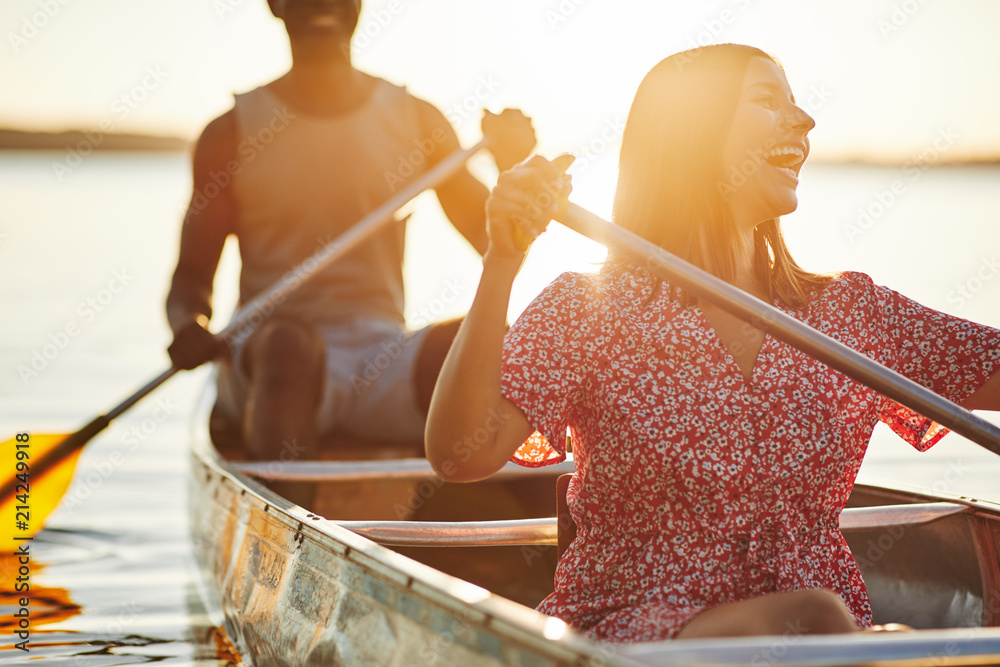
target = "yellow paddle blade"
x: 36, y: 495
x: 18, y: 583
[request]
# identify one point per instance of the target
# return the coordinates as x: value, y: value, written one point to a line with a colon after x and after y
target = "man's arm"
x: 463, y: 197
x: 209, y: 220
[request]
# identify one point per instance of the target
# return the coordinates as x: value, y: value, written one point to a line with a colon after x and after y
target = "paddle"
x: 784, y: 327
x: 40, y: 467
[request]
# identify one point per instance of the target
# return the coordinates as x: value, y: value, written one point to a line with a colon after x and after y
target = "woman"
x: 713, y: 461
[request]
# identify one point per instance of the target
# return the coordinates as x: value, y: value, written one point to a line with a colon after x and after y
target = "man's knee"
x: 430, y: 358
x: 439, y: 338
x: 283, y: 349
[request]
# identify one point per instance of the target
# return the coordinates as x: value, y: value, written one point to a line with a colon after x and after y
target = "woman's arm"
x: 472, y: 430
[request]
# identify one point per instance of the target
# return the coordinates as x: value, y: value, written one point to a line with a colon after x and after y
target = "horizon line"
x: 15, y: 139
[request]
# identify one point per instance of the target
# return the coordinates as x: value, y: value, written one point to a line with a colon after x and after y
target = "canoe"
x: 395, y: 567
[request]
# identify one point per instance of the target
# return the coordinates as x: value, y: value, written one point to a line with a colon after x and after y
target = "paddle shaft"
x: 252, y: 314
x: 262, y: 305
x: 784, y: 327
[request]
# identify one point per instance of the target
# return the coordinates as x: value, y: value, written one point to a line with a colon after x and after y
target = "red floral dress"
x: 696, y: 486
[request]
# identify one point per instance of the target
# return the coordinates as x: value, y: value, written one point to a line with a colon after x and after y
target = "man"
x: 289, y: 168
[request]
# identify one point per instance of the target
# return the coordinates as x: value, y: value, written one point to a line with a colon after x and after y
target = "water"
x: 85, y: 267
x: 86, y: 263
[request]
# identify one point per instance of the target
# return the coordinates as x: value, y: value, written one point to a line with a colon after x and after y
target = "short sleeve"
x: 949, y: 355
x: 543, y: 369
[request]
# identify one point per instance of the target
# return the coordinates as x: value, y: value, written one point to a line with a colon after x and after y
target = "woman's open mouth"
x: 786, y: 159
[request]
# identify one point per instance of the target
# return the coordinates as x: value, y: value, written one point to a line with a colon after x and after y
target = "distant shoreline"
x: 971, y: 161
x: 88, y: 140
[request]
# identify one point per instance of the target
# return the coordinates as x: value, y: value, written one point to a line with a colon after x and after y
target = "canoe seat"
x: 228, y: 442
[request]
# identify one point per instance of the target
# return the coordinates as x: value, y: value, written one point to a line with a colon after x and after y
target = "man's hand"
x: 194, y: 344
x: 510, y: 135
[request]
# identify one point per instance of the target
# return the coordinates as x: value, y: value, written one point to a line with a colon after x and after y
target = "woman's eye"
x: 767, y: 101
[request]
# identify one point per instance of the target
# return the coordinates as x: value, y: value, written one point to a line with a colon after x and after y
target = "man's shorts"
x: 369, y: 388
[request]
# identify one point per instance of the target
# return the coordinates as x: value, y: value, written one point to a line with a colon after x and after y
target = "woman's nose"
x: 798, y: 119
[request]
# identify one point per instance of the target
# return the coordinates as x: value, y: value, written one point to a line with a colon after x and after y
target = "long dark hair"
x: 671, y: 182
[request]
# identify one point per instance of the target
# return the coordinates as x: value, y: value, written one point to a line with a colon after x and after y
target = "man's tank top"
x: 303, y: 180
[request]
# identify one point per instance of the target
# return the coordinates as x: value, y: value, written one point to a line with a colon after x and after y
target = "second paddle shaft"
x: 736, y: 302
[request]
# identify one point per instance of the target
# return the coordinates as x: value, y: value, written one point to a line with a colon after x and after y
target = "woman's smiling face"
x: 765, y: 147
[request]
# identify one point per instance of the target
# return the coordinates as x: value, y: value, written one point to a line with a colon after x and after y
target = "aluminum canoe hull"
x: 292, y: 588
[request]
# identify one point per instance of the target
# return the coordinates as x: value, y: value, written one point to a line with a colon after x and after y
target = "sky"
x: 885, y: 79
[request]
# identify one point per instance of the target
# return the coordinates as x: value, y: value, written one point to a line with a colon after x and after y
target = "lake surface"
x: 86, y: 258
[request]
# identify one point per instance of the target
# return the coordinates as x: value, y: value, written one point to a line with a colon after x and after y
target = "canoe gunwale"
x: 920, y: 648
